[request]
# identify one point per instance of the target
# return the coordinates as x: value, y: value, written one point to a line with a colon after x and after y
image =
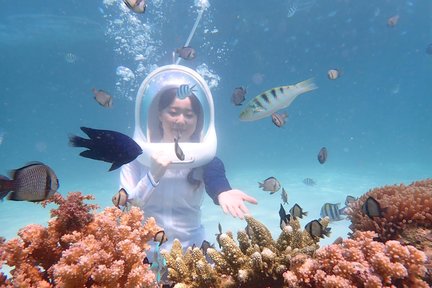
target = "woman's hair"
x: 167, y: 98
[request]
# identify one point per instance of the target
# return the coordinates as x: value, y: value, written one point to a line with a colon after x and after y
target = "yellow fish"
x: 270, y: 101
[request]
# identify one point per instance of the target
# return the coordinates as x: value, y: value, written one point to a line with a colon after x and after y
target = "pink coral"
x: 80, y: 248
x: 359, y: 262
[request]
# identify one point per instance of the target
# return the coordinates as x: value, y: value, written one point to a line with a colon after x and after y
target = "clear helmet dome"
x: 161, y: 82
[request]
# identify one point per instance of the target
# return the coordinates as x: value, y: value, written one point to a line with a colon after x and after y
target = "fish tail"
x: 6, y: 185
x: 77, y: 141
x: 260, y: 185
x: 306, y: 85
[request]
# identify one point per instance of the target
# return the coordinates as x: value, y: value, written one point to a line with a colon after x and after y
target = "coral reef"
x: 407, y: 216
x: 257, y: 261
x: 80, y: 248
x: 359, y: 262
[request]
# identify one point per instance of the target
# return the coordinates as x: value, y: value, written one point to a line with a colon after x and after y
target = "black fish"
x: 284, y: 218
x: 322, y: 155
x: 219, y: 234
x: 178, y: 151
x: 297, y: 211
x: 315, y: 229
x: 372, y: 208
x: 108, y: 146
x: 206, y: 245
x: 34, y: 182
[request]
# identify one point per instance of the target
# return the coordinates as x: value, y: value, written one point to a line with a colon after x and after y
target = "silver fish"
x: 274, y: 99
x: 120, y: 198
x: 102, y: 97
x: 309, y: 182
x: 315, y: 229
x: 332, y: 211
x: 34, y: 182
x: 178, y: 151
x: 297, y: 212
x: 279, y: 119
x: 284, y: 196
x: 138, y: 6
x: 186, y: 53
x: 185, y: 91
x: 270, y: 184
x: 238, y: 96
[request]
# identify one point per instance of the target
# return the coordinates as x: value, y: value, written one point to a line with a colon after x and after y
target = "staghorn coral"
x: 80, y: 248
x: 407, y: 216
x: 359, y: 262
x: 257, y: 261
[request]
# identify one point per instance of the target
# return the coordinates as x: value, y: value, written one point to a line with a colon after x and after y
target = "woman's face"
x: 178, y: 120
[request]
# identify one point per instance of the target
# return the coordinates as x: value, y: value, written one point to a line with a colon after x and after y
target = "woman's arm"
x: 219, y: 189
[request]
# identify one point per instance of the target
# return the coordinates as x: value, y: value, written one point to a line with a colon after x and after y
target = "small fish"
x: 284, y: 196
x: 102, y: 97
x: 392, y: 21
x: 372, y: 208
x: 206, y: 245
x: 349, y: 199
x: 159, y: 265
x: 70, y: 58
x: 138, y: 6
x: 178, y: 151
x: 270, y: 184
x: 160, y: 237
x: 120, y: 198
x: 186, y: 53
x: 309, y: 182
x: 322, y: 155
x: 315, y: 229
x: 219, y: 234
x: 34, y: 182
x: 108, y: 146
x: 333, y: 74
x: 332, y: 211
x: 284, y: 217
x: 297, y: 211
x: 185, y: 91
x: 271, y: 101
x: 279, y: 119
x: 238, y: 96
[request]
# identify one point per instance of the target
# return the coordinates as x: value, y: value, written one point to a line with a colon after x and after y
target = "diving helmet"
x: 148, y: 132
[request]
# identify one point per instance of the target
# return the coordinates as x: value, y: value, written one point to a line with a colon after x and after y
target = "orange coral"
x: 405, y: 206
x: 80, y: 248
x: 359, y: 262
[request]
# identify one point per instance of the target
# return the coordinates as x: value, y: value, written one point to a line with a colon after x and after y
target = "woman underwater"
x: 171, y: 193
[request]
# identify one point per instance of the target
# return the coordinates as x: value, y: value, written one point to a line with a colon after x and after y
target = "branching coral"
x: 81, y: 249
x: 359, y: 262
x: 404, y: 206
x: 257, y: 261
x: 407, y: 217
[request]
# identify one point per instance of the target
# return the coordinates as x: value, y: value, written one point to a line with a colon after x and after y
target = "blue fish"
x: 108, y: 146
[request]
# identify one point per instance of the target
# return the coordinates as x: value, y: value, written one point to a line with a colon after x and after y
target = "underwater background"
x: 375, y: 119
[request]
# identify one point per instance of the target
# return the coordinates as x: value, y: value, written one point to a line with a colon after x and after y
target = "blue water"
x: 375, y: 120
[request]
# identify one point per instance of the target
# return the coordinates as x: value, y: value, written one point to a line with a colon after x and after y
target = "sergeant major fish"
x: 185, y: 91
x: 332, y: 211
x: 279, y: 119
x: 270, y: 101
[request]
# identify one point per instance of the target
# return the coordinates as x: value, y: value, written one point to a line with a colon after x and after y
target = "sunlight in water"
x: 299, y: 5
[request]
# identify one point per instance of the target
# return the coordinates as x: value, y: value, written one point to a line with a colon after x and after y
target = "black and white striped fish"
x: 332, y: 211
x: 185, y: 91
x: 270, y: 101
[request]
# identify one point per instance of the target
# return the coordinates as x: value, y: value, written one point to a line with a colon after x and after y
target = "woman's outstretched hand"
x: 158, y: 165
x: 232, y: 202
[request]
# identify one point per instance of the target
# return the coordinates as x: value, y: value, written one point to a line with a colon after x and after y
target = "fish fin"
x: 91, y: 155
x: 260, y: 185
x: 115, y: 166
x: 77, y: 141
x: 272, y: 192
x: 306, y: 85
x: 3, y: 194
x: 14, y: 197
